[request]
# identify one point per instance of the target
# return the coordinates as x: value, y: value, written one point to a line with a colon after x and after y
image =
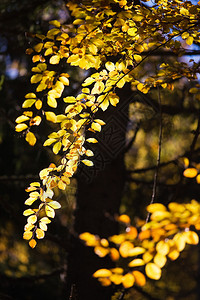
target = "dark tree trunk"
x: 99, y: 194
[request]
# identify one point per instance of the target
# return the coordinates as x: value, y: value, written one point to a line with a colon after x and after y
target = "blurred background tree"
x: 27, y: 273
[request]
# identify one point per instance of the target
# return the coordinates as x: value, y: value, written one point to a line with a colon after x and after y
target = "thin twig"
x: 159, y: 154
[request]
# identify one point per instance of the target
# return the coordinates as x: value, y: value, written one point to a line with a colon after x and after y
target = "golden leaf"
x: 28, y: 103
x: 116, y: 278
x: 27, y: 235
x: 56, y: 148
x: 48, y: 142
x: 136, y: 262
x: 136, y: 251
x: 39, y: 233
x: 30, y: 138
x: 154, y: 207
x: 45, y: 220
x: 50, y: 116
x: 87, y: 162
x: 28, y: 212
x: 128, y: 280
x: 101, y: 251
x: 189, y: 40
x: 191, y: 237
x: 91, y: 140
x: 51, y: 101
x: 173, y: 254
x: 160, y: 260
x: 132, y: 31
x: 153, y: 271
x: 43, y: 226
x: 54, y: 60
x: 139, y: 278
x: 102, y: 273
x: 32, y: 219
x: 89, y: 238
x: 38, y: 47
x: 38, y: 104
x: 22, y: 119
x: 61, y: 185
x: 125, y: 248
x: 20, y: 127
x: 110, y: 66
x: 98, y: 88
x: 36, y: 78
x: 124, y: 219
x: 49, y: 211
x: 162, y: 248
x: 96, y: 126
x: 190, y: 173
x: 114, y: 254
x: 32, y: 243
x: 54, y: 204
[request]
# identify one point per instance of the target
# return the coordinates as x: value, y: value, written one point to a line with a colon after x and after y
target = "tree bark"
x: 99, y: 194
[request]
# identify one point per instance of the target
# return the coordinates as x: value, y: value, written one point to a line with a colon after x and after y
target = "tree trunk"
x: 99, y: 194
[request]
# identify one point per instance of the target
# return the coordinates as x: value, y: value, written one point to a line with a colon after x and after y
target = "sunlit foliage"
x: 111, y: 39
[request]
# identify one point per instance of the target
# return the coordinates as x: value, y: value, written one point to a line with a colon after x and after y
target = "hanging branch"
x: 159, y: 154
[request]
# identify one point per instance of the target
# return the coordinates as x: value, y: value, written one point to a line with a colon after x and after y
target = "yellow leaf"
x: 139, y: 278
x: 190, y: 173
x: 189, y: 40
x: 128, y: 280
x: 121, y: 83
x: 49, y: 211
x: 160, y: 260
x: 87, y: 162
x: 105, y: 281
x: 125, y: 248
x: 101, y: 251
x: 48, y: 142
x: 32, y: 243
x: 193, y: 90
x: 180, y: 241
x: 156, y: 207
x: 32, y: 219
x: 38, y: 104
x: 114, y: 254
x: 110, y: 66
x: 136, y: 251
x: 136, y: 262
x: 153, y: 271
x: 43, y: 226
x: 50, y: 116
x: 64, y: 80
x: 56, y: 23
x: 191, y: 237
x: 147, y: 257
x: 56, y: 148
x: 98, y: 87
x: 132, y: 31
x: 36, y: 78
x: 61, y: 185
x: 45, y: 220
x: 173, y: 254
x: 185, y: 35
x: 30, y: 138
x: 27, y: 235
x: 96, y: 126
x: 30, y: 95
x: 137, y: 58
x: 54, y: 204
x: 20, y: 127
x: 162, y: 248
x: 91, y: 140
x: 198, y: 179
x: 38, y: 47
x: 51, y: 101
x: 39, y: 233
x: 54, y: 60
x: 104, y: 105
x: 69, y: 99
x: 89, y: 153
x: 102, y: 273
x: 124, y: 219
x: 28, y: 212
x: 116, y: 278
x: 22, y: 119
x: 28, y: 103
x: 89, y: 238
